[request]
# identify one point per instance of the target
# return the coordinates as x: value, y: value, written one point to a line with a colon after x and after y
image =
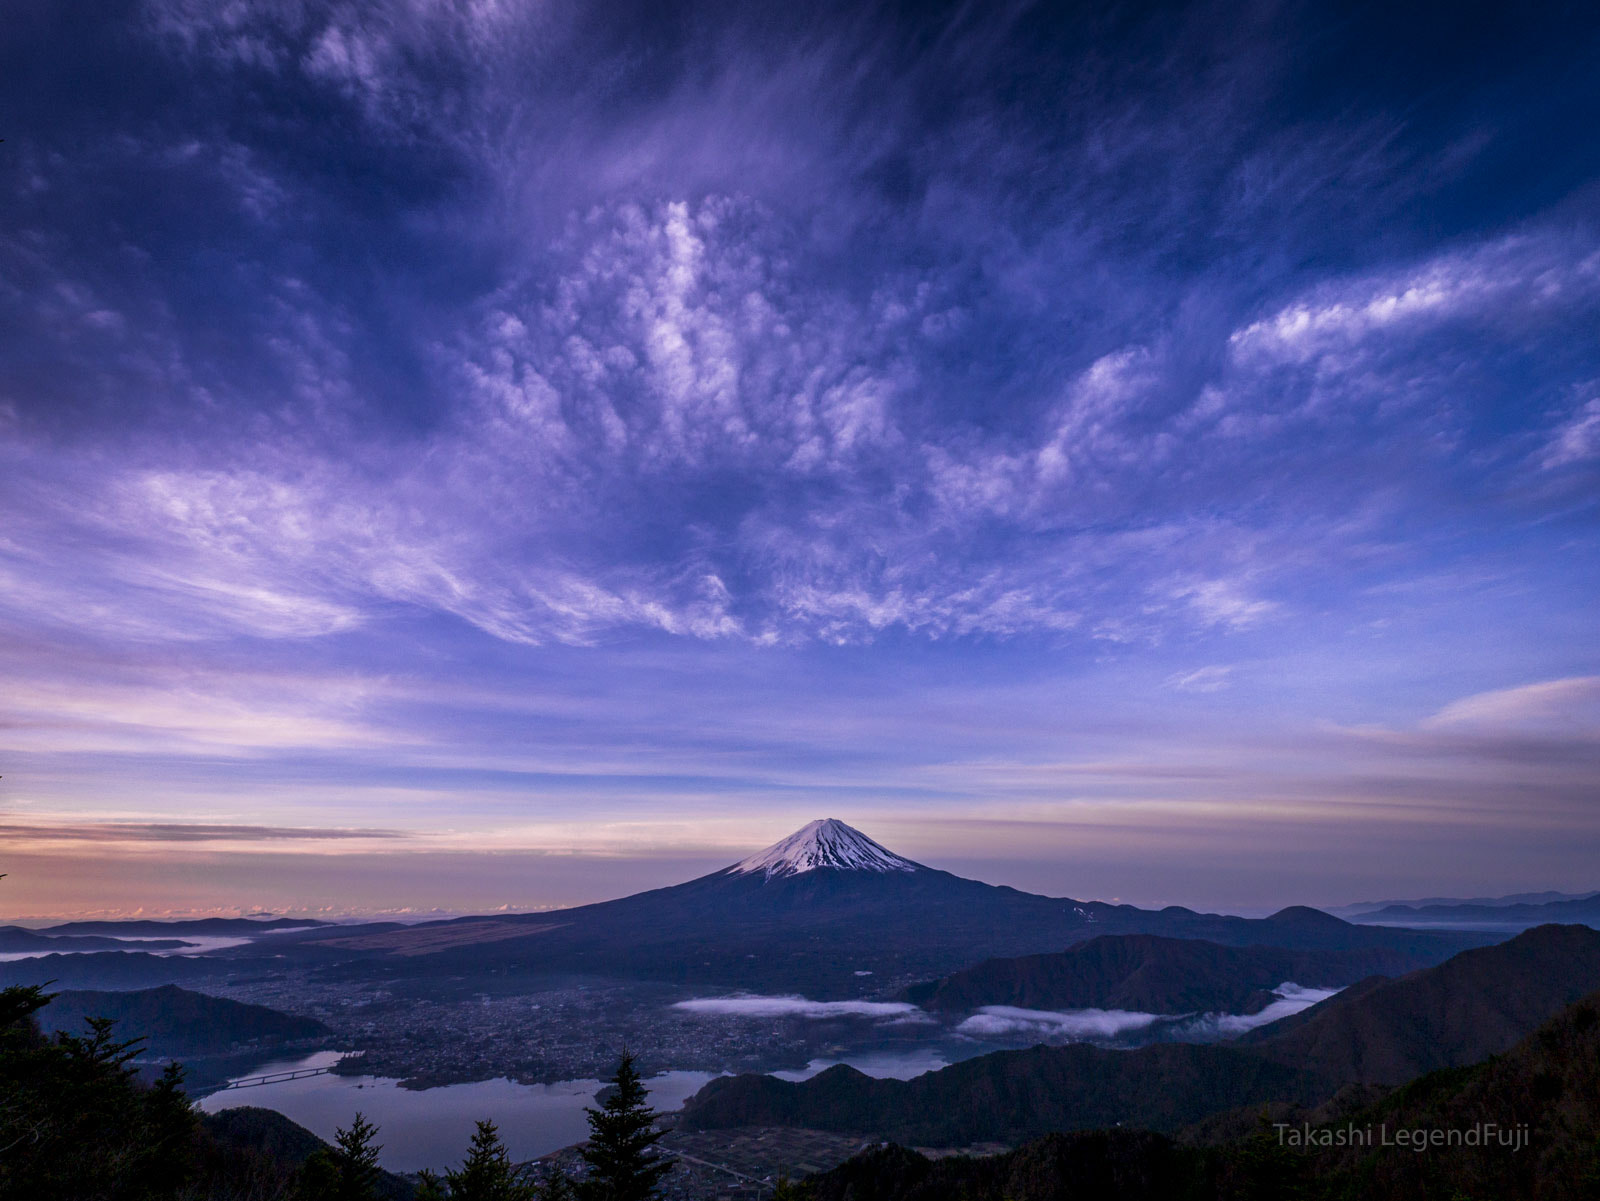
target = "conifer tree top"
x: 622, y: 1164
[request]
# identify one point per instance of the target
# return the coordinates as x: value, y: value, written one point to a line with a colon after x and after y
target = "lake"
x: 431, y: 1128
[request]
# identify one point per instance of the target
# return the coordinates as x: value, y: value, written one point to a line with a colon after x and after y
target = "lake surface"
x: 431, y: 1128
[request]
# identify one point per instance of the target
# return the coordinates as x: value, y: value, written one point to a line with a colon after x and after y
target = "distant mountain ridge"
x: 1149, y: 973
x: 15, y: 939
x: 1355, y: 911
x: 826, y: 912
x: 177, y: 927
x: 1583, y: 910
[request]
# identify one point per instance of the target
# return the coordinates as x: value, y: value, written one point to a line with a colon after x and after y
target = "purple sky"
x: 460, y: 455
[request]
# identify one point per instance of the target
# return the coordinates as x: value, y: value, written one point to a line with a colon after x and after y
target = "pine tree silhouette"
x: 355, y: 1161
x: 487, y: 1173
x: 622, y: 1166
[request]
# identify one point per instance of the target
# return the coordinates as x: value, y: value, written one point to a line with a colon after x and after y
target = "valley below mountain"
x: 833, y: 989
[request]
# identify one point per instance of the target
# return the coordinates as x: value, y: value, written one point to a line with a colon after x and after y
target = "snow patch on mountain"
x: 825, y: 843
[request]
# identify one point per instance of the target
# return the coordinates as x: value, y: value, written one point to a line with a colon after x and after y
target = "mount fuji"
x: 826, y: 911
x: 823, y: 845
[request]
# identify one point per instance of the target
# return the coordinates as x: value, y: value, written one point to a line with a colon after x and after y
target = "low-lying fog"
x: 858, y: 1022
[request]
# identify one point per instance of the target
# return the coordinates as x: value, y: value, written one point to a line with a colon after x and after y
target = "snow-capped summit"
x: 825, y: 843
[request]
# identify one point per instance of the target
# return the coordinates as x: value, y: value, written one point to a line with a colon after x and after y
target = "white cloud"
x: 1482, y: 283
x: 794, y: 1006
x: 1577, y: 441
x: 1092, y: 1025
x: 676, y: 339
x: 1072, y: 1025
x: 1292, y: 998
x: 1223, y: 603
x: 1564, y: 703
x: 1212, y: 678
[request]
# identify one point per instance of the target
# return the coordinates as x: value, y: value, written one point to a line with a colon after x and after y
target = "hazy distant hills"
x: 1361, y: 908
x: 1151, y: 974
x: 14, y: 939
x: 827, y: 912
x: 1492, y: 916
x: 178, y: 1023
x: 1477, y: 1004
x: 211, y: 927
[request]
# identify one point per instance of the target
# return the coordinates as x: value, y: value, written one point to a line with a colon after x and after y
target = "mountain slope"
x: 252, y: 1139
x: 1475, y: 1005
x: 1011, y: 1096
x: 1152, y: 974
x: 823, y: 844
x: 1550, y: 1080
x: 177, y: 1023
x: 827, y: 912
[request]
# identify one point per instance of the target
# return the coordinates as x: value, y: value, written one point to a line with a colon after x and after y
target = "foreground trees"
x: 622, y: 1166
x: 76, y: 1124
x: 487, y: 1174
x: 348, y: 1171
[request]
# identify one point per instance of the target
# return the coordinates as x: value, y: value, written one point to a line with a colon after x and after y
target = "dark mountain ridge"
x: 177, y: 1023
x: 1549, y: 1080
x: 1477, y: 1004
x: 1153, y: 974
x: 1011, y: 1096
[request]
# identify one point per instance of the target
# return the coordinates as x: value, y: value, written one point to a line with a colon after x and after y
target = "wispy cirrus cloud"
x: 746, y: 399
x: 1577, y: 440
x: 180, y: 832
x: 1565, y: 704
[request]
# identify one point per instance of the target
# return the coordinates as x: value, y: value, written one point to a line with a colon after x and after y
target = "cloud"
x: 1223, y: 603
x: 558, y: 387
x: 794, y: 1006
x: 1577, y: 441
x: 181, y: 832
x: 1073, y: 1025
x: 1292, y: 999
x: 1485, y: 284
x: 1098, y: 1025
x: 1212, y: 678
x: 1573, y: 702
